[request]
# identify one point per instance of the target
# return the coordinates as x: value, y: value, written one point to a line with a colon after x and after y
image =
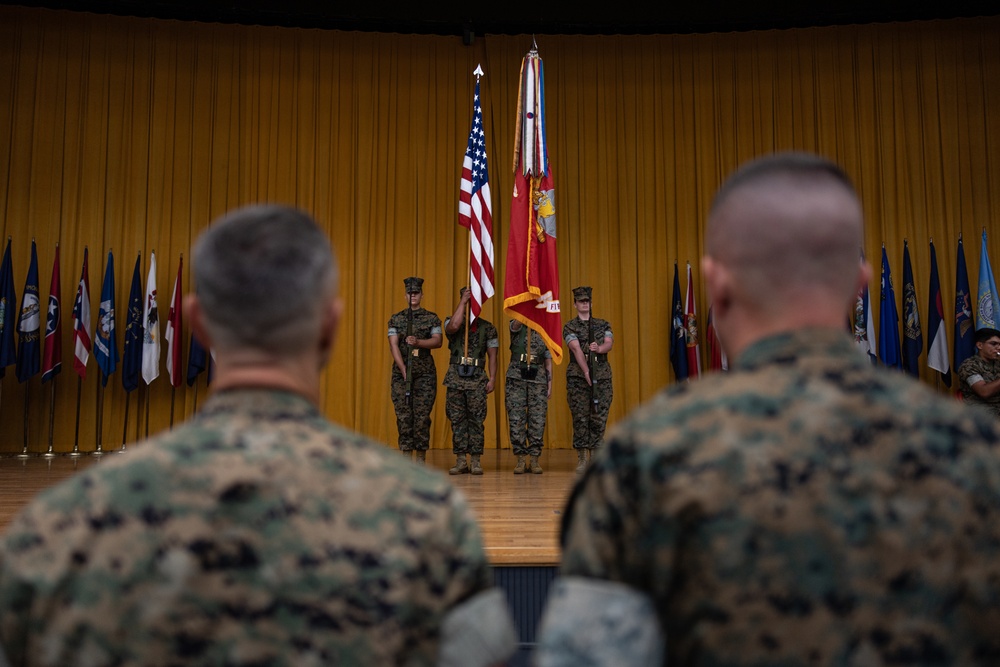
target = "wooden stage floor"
x: 519, y: 514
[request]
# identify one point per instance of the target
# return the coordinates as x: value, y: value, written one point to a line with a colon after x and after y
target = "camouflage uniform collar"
x: 259, y: 402
x: 792, y: 345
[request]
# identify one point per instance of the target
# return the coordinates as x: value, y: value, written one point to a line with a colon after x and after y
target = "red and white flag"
x: 81, y: 323
x: 173, y: 332
x: 531, y: 281
x: 150, y: 327
x: 691, y: 327
x: 475, y: 210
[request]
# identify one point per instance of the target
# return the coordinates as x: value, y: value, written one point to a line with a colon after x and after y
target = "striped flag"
x: 691, y: 329
x: 937, y: 334
x: 475, y: 210
x: 81, y: 322
x: 150, y: 327
x: 52, y: 357
x: 173, y: 332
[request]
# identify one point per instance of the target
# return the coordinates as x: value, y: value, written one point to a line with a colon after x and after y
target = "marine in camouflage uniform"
x: 806, y: 508
x: 257, y: 533
x: 413, y: 333
x: 467, y: 384
x: 528, y: 387
x: 980, y: 373
x: 589, y: 340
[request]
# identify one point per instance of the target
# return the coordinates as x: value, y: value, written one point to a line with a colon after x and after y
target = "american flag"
x: 475, y: 211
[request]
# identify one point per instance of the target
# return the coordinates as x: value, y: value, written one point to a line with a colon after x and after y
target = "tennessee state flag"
x: 531, y: 284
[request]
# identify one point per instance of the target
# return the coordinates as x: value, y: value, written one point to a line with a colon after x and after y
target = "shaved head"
x: 787, y: 224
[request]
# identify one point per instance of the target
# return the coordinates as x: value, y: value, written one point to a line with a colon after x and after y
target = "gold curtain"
x: 131, y: 135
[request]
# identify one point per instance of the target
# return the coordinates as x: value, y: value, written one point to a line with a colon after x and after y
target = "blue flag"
x: 197, y: 360
x: 913, y: 340
x: 888, y: 330
x: 937, y: 334
x: 29, y: 326
x: 987, y: 298
x: 105, y: 345
x: 8, y: 305
x: 132, y: 356
x: 965, y: 347
x: 678, y: 333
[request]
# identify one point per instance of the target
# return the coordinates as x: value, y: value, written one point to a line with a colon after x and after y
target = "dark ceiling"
x: 552, y: 17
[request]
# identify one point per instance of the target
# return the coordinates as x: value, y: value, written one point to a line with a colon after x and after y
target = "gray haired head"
x: 263, y: 276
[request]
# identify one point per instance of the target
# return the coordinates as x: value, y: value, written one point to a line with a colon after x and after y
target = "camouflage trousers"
x: 588, y: 423
x: 413, y: 417
x: 466, y: 410
x: 527, y: 406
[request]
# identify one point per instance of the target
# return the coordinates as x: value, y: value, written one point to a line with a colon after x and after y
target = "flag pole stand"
x: 25, y: 454
x: 128, y: 396
x: 76, y: 434
x: 49, y: 454
x: 99, y: 450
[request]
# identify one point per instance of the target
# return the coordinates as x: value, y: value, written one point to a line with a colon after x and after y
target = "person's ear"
x: 718, y: 282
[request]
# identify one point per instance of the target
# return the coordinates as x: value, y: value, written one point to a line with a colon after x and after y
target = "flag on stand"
x: 964, y: 344
x: 691, y: 329
x: 888, y: 329
x: 864, y: 323
x: 678, y: 333
x: 717, y: 360
x: 174, y: 332
x: 531, y: 284
x: 8, y: 304
x: 987, y: 298
x: 475, y: 210
x: 81, y: 322
x: 197, y: 360
x: 29, y: 326
x: 132, y: 355
x: 913, y: 341
x: 937, y: 335
x: 150, y: 327
x: 52, y: 357
x: 105, y: 344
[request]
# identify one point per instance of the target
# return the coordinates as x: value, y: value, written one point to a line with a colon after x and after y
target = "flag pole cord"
x: 52, y: 420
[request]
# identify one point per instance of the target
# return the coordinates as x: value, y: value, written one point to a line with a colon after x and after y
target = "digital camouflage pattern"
x: 526, y: 401
x: 413, y: 422
x: 805, y: 508
x: 465, y: 398
x: 588, y: 423
x: 256, y: 534
x: 988, y: 371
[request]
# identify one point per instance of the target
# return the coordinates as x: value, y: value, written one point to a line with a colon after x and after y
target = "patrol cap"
x: 413, y: 284
x: 581, y: 293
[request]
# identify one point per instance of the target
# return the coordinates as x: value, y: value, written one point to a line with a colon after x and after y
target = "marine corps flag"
x: 678, y: 333
x: 964, y: 346
x: 531, y: 284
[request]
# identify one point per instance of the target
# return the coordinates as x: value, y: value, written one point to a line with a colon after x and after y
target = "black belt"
x: 420, y: 352
x: 529, y: 358
x: 598, y: 356
x: 468, y: 361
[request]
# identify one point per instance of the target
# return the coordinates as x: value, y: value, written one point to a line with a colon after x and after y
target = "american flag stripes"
x: 475, y: 211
